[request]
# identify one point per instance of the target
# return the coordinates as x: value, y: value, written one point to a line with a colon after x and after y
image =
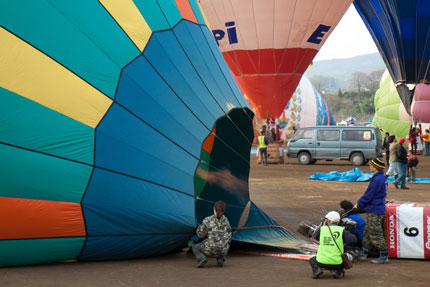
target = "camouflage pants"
x: 201, y: 249
x: 373, y: 232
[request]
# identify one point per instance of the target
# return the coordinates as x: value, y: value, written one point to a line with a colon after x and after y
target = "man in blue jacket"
x: 373, y: 202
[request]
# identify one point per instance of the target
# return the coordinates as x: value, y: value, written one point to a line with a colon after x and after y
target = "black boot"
x: 220, y: 261
x: 337, y: 273
x: 316, y: 270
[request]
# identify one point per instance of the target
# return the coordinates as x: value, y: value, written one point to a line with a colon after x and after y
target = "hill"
x: 339, y: 71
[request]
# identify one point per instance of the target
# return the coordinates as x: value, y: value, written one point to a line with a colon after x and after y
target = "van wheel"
x: 356, y: 159
x: 304, y: 158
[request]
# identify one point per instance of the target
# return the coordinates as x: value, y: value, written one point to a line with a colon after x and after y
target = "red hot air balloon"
x: 268, y: 44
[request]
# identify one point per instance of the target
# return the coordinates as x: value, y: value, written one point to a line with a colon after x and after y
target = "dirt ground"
x: 285, y: 193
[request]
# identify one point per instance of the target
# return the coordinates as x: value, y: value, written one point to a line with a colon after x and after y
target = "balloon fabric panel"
x: 74, y: 40
x: 257, y: 228
x: 33, y: 175
x: 121, y: 134
x: 421, y: 104
x: 390, y: 115
x: 32, y: 74
x: 31, y: 218
x: 196, y: 48
x: 400, y: 29
x: 124, y: 144
x: 62, y: 136
x: 36, y: 251
x: 128, y: 247
x: 131, y: 21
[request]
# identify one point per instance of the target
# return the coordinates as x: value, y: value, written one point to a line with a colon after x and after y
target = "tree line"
x: 355, y: 98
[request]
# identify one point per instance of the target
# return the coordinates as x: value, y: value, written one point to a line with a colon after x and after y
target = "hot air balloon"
x: 421, y: 104
x: 390, y: 114
x: 400, y: 30
x: 306, y: 108
x: 268, y: 44
x: 120, y: 125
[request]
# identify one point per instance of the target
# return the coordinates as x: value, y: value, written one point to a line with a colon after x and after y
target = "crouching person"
x: 328, y: 254
x: 216, y: 232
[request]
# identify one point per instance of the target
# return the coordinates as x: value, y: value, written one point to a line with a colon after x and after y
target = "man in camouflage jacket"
x: 216, y: 232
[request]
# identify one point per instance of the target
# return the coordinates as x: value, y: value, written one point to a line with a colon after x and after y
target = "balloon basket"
x: 273, y: 154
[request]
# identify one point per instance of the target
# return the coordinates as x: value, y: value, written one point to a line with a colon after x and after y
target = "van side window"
x: 303, y: 134
x: 328, y: 135
x: 357, y: 135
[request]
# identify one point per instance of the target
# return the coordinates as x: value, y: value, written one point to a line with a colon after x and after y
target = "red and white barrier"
x: 408, y: 230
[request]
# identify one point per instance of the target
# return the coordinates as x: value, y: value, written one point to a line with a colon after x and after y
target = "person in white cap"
x: 328, y: 254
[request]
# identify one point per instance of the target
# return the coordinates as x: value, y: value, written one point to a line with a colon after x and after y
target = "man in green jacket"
x: 328, y: 254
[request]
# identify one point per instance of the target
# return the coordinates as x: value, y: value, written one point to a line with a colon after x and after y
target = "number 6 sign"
x: 408, y: 230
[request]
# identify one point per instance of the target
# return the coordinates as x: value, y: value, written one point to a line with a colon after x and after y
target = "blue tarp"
x: 353, y: 175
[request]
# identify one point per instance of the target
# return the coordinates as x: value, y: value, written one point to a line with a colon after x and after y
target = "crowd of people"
x: 366, y: 235
x: 403, y: 164
x: 334, y: 237
x: 214, y: 234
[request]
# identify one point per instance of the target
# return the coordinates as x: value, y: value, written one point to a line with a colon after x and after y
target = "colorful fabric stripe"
x: 186, y: 10
x: 195, y: 5
x: 79, y: 35
x: 29, y: 218
x: 36, y: 251
x: 131, y: 21
x: 209, y: 142
x: 25, y: 123
x: 33, y: 175
x: 31, y: 74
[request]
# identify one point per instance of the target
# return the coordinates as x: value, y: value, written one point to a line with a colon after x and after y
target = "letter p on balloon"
x: 231, y: 32
x: 318, y: 34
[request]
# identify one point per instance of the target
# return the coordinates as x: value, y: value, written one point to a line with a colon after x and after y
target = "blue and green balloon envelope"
x: 400, y: 29
x: 120, y: 126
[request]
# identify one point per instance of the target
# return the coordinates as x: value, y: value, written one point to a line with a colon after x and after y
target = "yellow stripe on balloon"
x: 127, y: 15
x: 204, y: 16
x: 28, y: 72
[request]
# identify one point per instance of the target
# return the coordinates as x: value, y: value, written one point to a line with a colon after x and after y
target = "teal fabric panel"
x: 80, y: 35
x: 27, y: 124
x: 197, y: 11
x: 152, y: 14
x: 36, y: 251
x: 32, y: 175
x: 170, y: 11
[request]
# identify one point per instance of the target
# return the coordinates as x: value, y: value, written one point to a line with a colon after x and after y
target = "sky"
x: 350, y: 38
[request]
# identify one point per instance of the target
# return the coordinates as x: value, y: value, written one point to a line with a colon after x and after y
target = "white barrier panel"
x: 408, y: 230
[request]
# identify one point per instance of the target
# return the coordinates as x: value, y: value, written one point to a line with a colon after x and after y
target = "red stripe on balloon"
x: 269, y: 61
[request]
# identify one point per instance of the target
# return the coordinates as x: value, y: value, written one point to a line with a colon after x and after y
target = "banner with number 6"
x: 408, y: 230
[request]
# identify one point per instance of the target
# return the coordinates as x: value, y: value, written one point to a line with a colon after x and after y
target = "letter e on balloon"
x: 318, y: 34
